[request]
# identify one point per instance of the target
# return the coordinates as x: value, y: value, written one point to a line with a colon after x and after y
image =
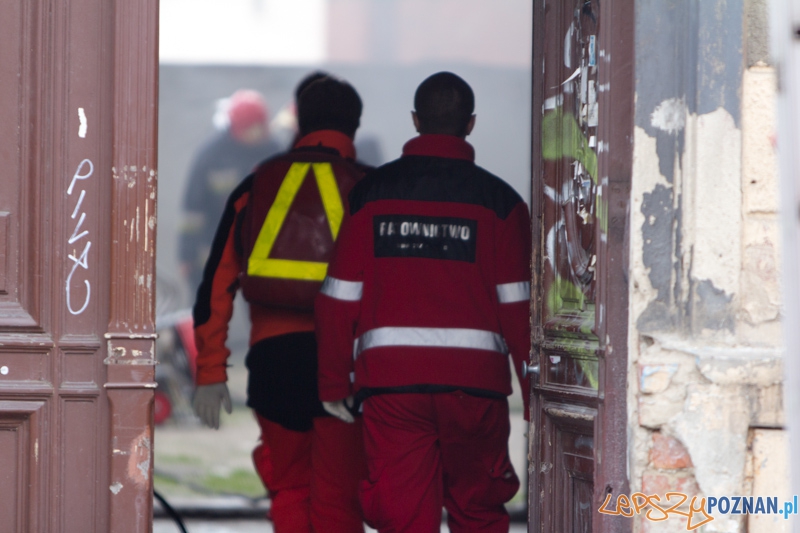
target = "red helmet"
x: 247, y: 109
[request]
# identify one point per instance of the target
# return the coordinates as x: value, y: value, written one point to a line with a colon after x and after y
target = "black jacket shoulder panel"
x: 435, y: 179
x: 202, y: 307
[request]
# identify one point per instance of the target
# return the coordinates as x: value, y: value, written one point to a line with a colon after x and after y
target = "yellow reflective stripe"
x: 260, y: 264
x: 288, y: 269
x: 277, y: 213
x: 331, y: 200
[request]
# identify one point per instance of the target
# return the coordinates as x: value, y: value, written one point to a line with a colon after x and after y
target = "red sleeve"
x: 214, y: 305
x: 513, y: 287
x: 337, y: 308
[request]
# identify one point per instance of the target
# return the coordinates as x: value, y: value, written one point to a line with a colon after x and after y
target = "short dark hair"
x: 308, y: 80
x: 329, y: 104
x: 444, y: 104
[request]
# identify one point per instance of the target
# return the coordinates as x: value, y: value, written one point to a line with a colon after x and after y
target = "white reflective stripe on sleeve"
x: 341, y: 289
x: 514, y: 292
x: 476, y: 339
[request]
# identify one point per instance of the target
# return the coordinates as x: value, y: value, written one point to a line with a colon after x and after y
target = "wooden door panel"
x: 564, y: 370
x: 20, y: 267
x: 11, y: 478
x: 567, y: 467
x: 25, y: 367
x: 24, y: 449
x: 572, y: 205
x: 580, y: 306
x: 5, y: 225
x: 581, y: 501
x: 570, y: 210
x: 77, y: 226
x: 78, y: 365
x: 78, y: 464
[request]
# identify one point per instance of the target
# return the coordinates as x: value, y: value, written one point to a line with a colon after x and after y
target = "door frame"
x: 130, y: 335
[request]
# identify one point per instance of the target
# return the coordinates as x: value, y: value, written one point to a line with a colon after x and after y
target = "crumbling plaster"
x: 694, y: 377
x: 705, y: 364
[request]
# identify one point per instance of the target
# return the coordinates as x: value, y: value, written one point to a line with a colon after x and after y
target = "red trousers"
x: 312, y: 476
x: 425, y: 451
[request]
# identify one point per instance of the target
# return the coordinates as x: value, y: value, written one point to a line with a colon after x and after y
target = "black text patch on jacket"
x: 422, y: 236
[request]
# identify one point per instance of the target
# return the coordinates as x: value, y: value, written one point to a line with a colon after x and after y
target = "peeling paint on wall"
x: 705, y: 363
x: 657, y: 230
x: 652, y: 246
x: 656, y: 378
x: 690, y: 235
x: 711, y: 309
x: 669, y: 115
x: 687, y: 51
x: 647, y: 177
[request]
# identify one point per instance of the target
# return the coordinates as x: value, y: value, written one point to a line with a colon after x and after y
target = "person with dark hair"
x: 218, y: 167
x: 274, y: 241
x: 308, y: 80
x: 443, y: 105
x: 325, y: 103
x: 368, y: 146
x: 426, y: 295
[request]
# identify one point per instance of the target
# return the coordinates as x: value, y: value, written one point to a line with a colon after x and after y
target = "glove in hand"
x: 339, y: 410
x: 207, y: 401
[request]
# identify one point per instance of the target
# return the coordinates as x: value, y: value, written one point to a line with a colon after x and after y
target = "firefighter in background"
x: 274, y: 240
x: 241, y: 141
x: 426, y: 295
x: 284, y: 126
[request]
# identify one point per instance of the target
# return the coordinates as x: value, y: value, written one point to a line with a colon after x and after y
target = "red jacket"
x: 214, y: 305
x: 429, y: 287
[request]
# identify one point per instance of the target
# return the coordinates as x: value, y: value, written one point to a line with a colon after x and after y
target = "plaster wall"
x: 705, y: 367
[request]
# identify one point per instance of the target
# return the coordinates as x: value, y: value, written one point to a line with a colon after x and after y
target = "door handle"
x: 529, y: 369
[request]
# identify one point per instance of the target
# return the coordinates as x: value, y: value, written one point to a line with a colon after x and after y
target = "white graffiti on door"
x: 82, y: 259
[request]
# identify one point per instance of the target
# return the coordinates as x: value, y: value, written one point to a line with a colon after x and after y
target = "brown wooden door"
x: 77, y: 199
x: 582, y: 129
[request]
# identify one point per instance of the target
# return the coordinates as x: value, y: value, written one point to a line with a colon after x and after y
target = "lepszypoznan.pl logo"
x: 700, y: 510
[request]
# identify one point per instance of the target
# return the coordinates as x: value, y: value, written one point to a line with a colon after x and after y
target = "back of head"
x: 308, y: 80
x: 329, y: 104
x: 444, y: 104
x: 248, y: 115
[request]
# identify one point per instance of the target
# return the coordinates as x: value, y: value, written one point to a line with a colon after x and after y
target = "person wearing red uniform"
x: 310, y: 462
x: 426, y: 295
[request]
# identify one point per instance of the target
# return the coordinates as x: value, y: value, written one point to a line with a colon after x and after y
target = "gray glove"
x: 207, y: 400
x: 339, y: 410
